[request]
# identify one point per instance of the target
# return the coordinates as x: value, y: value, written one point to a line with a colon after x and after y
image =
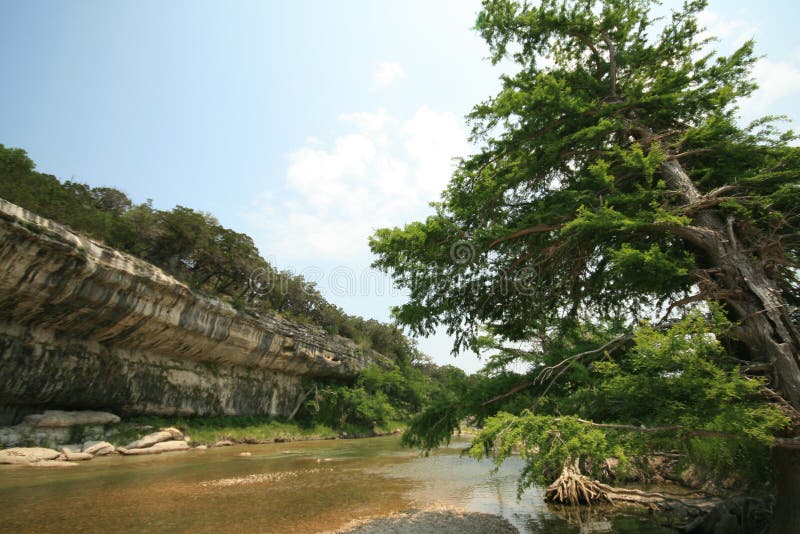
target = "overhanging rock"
x: 85, y: 326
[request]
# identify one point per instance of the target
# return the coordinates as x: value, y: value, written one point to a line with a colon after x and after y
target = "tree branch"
x: 539, y: 228
x: 668, y: 428
x: 612, y: 59
x: 548, y: 371
x: 612, y: 344
x: 588, y: 42
x: 689, y: 153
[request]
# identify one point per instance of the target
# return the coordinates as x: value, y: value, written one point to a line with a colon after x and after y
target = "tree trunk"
x: 303, y: 396
x: 765, y: 325
x: 786, y: 515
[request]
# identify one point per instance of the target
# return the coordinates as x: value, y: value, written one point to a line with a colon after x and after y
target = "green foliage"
x: 565, y: 206
x: 209, y: 430
x: 672, y: 389
x: 546, y: 443
x: 381, y: 396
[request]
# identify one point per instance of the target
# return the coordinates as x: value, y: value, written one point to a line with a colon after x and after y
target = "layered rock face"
x: 84, y: 326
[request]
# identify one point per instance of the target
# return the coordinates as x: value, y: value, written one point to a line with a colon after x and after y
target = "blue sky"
x: 305, y: 124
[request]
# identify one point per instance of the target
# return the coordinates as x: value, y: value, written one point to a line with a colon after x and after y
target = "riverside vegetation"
x: 618, y: 233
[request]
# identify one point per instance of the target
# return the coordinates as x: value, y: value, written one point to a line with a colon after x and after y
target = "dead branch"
x: 719, y: 191
x: 689, y: 153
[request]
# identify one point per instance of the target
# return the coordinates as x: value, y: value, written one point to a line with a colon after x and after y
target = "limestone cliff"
x: 86, y: 326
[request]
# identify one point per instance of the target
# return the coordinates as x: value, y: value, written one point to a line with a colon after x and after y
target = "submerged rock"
x: 77, y: 456
x: 428, y: 521
x: 52, y: 463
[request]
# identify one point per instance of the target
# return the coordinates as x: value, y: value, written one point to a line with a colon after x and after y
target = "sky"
x: 305, y: 124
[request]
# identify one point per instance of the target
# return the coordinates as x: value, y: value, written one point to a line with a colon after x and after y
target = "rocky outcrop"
x: 84, y: 326
x: 62, y: 419
x: 56, y: 426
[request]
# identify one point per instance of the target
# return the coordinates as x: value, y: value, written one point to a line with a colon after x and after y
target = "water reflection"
x: 297, y: 487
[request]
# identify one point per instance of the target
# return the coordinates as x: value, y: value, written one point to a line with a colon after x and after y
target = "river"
x: 307, y: 486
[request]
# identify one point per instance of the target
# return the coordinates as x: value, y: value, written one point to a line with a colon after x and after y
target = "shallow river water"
x: 307, y: 486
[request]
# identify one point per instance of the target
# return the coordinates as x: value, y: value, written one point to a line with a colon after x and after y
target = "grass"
x: 209, y: 430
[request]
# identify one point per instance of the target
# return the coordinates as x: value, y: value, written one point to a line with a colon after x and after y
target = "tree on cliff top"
x: 613, y: 181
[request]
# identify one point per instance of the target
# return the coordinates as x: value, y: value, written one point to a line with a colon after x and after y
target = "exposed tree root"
x: 573, y: 488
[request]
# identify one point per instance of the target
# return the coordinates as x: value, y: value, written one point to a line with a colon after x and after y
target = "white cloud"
x: 381, y: 171
x: 431, y: 136
x: 367, y: 122
x: 730, y: 32
x: 386, y: 73
x: 776, y: 80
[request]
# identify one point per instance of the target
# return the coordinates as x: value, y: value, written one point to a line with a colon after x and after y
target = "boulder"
x: 24, y: 455
x: 71, y: 447
x: 201, y: 447
x: 149, y: 440
x: 98, y: 448
x: 63, y: 419
x: 223, y: 443
x: 77, y: 456
x: 157, y: 448
x: 174, y: 432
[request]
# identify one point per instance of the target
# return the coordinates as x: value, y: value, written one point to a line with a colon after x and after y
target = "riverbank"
x: 248, y: 430
x: 60, y: 438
